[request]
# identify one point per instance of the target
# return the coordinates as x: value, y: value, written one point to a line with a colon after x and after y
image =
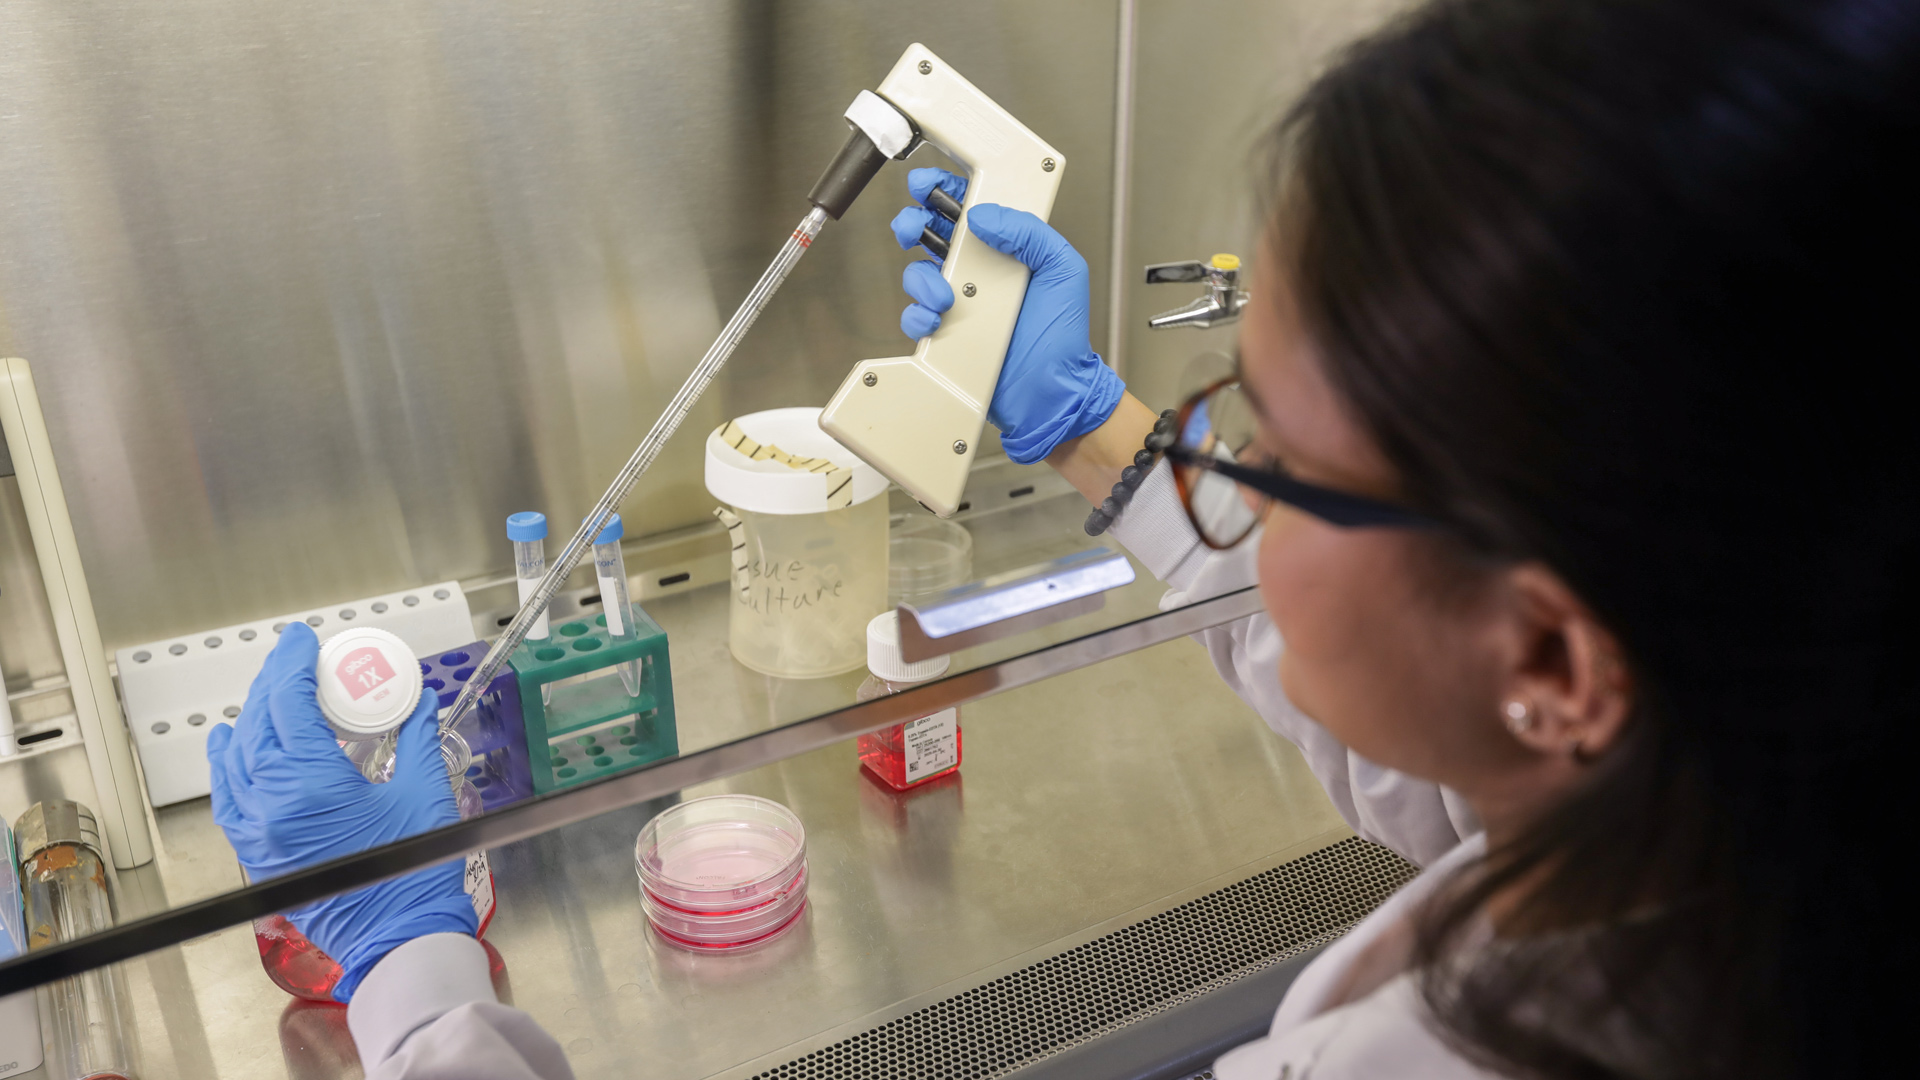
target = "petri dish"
x: 925, y: 555
x: 729, y: 929
x: 722, y: 871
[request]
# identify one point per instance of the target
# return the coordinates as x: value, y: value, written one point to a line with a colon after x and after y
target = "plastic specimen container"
x: 926, y: 554
x: 722, y: 872
x: 815, y: 571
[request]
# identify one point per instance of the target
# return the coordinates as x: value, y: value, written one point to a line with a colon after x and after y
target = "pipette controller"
x: 918, y: 419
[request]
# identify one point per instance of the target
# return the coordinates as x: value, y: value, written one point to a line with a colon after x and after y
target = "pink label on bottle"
x: 363, y: 671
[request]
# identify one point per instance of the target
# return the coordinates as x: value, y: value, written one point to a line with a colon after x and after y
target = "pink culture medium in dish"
x: 722, y: 871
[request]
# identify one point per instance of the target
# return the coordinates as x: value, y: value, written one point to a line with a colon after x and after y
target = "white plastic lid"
x: 369, y: 682
x: 883, y: 653
x: 772, y: 487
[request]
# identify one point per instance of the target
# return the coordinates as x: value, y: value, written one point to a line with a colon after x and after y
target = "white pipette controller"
x: 918, y: 419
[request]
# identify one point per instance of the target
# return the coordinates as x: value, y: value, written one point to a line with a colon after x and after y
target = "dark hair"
x: 1627, y: 287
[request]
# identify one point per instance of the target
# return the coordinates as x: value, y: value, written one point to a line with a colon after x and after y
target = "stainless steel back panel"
x: 319, y: 292
x: 1211, y: 76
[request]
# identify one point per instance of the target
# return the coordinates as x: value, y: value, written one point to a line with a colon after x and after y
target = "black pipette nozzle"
x: 848, y: 175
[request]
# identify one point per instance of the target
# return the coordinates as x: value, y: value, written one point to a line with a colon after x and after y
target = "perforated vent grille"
x: 1134, y: 972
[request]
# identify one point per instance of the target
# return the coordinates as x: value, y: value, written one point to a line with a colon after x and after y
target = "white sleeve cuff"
x: 1155, y: 529
x: 413, y: 986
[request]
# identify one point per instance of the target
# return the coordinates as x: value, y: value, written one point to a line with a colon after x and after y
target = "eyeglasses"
x: 1227, y: 483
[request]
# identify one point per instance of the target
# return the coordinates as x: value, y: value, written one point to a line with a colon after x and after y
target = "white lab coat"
x: 1382, y: 1033
x: 427, y: 1011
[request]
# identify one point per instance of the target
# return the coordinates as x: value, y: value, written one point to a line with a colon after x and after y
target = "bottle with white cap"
x: 369, y: 683
x: 610, y: 566
x: 916, y: 751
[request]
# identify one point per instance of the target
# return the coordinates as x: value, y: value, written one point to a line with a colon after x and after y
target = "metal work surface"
x: 1083, y: 805
x: 1153, y: 965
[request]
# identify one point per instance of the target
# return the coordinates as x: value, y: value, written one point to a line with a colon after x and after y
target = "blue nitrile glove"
x: 287, y: 797
x: 1053, y: 387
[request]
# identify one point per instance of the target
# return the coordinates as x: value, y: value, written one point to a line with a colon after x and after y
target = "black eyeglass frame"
x: 1338, y: 508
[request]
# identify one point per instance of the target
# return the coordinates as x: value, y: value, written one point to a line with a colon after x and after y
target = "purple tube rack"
x: 495, y: 731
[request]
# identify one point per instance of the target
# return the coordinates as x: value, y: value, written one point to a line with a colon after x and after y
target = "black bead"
x: 1110, y: 507
x: 1163, y: 425
x: 1131, y: 475
x: 1097, y: 523
x: 1123, y: 493
x: 1143, y: 459
x: 1158, y: 441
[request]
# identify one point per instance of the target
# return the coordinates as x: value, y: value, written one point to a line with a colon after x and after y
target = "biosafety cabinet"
x: 314, y: 296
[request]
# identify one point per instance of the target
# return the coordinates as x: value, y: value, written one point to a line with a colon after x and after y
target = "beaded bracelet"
x: 1158, y: 440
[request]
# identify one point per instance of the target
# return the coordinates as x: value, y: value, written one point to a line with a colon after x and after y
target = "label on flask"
x: 931, y: 744
x: 539, y: 631
x: 616, y: 619
x: 479, y: 886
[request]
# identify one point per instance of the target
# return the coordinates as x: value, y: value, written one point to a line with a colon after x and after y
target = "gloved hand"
x: 1053, y: 386
x: 287, y: 797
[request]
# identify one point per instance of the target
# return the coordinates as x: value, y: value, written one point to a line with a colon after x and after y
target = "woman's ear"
x: 1569, y: 693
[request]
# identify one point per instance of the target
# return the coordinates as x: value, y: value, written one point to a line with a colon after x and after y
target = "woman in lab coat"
x: 1564, y: 454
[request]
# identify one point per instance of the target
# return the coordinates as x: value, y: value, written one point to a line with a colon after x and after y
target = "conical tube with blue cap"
x: 528, y: 531
x: 610, y: 566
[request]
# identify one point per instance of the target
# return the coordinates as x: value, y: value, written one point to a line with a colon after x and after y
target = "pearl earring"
x: 1519, y: 717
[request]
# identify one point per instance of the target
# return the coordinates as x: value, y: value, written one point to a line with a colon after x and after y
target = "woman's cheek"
x: 1337, y: 598
x: 1297, y: 597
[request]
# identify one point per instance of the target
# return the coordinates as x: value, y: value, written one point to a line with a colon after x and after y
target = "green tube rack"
x: 588, y: 727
